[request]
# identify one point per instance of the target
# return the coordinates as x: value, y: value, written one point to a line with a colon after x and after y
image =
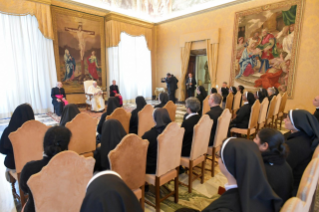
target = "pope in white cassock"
x: 97, y: 102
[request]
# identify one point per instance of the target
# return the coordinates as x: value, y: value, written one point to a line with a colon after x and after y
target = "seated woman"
x: 302, y: 142
x: 112, y: 134
x: 56, y: 140
x: 140, y: 103
x: 20, y: 115
x: 163, y: 98
x: 112, y: 104
x: 247, y: 188
x: 161, y: 119
x: 201, y: 95
x: 69, y: 112
x: 58, y: 98
x: 107, y: 192
x: 271, y: 144
x: 97, y: 101
x: 243, y: 113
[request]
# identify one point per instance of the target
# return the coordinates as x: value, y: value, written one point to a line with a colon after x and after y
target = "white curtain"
x: 28, y: 70
x: 130, y: 66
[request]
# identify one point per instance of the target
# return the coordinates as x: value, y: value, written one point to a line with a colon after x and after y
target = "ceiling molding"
x: 127, y: 19
x: 204, y: 11
x: 73, y: 5
x: 42, y: 1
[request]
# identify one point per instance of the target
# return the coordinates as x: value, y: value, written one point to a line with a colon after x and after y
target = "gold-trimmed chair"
x: 276, y: 111
x: 168, y: 162
x: 270, y: 112
x: 252, y: 125
x: 220, y: 134
x: 145, y: 120
x: 205, y: 107
x: 282, y: 108
x: 128, y: 159
x: 293, y: 204
x: 171, y: 109
x: 88, y: 96
x: 236, y: 102
x: 61, y: 184
x: 229, y: 101
x: 122, y: 116
x: 83, y: 129
x: 30, y: 134
x: 201, y: 136
x: 262, y: 114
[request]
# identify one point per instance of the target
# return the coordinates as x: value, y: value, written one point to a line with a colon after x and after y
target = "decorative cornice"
x: 42, y: 1
x: 73, y: 5
x: 204, y: 11
x: 127, y: 19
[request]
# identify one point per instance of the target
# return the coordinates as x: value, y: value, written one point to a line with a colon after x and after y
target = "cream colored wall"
x: 307, y: 72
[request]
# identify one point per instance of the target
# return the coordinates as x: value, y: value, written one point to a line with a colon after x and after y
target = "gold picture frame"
x: 255, y: 64
x: 80, y: 48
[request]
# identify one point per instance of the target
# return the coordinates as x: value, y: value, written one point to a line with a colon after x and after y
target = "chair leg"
x: 280, y: 122
x: 14, y: 192
x: 213, y: 162
x: 157, y: 195
x: 22, y: 197
x: 248, y: 133
x: 142, y: 200
x: 190, y: 177
x: 176, y: 187
x: 203, y: 172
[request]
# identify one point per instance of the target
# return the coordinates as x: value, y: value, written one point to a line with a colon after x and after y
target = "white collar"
x: 227, y: 187
x: 245, y: 103
x: 317, y: 107
x: 190, y: 115
x: 102, y: 173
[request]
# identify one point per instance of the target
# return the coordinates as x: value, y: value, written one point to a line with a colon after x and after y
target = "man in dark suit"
x: 58, y: 98
x: 190, y: 85
x: 271, y: 93
x: 315, y: 103
x: 192, y: 107
x: 214, y: 101
x: 224, y: 90
x: 171, y: 83
x: 113, y: 88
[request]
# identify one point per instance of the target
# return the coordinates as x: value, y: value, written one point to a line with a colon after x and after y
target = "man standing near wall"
x: 190, y: 85
x: 171, y: 83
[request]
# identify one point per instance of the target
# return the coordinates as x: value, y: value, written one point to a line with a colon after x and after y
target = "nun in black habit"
x: 302, y: 141
x: 69, y: 112
x: 241, y: 90
x: 140, y: 103
x: 20, y: 115
x: 162, y: 119
x: 112, y: 134
x: 260, y: 96
x: 243, y: 113
x: 201, y: 95
x: 213, y: 90
x: 112, y: 104
x: 247, y: 189
x: 107, y: 192
x: 163, y: 98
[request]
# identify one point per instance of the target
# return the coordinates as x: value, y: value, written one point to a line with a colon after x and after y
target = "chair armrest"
x: 89, y: 95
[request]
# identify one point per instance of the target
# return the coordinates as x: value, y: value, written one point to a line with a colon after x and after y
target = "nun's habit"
x: 20, y: 115
x: 163, y: 99
x: 253, y: 193
x: 140, y: 103
x: 201, y: 97
x: 69, y: 112
x: 161, y: 119
x: 106, y: 192
x: 301, y: 143
x: 112, y: 134
x: 112, y: 104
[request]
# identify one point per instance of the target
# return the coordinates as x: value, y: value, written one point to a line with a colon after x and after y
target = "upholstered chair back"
x: 145, y: 120
x: 236, y: 103
x: 308, y: 183
x: 62, y: 183
x: 201, y: 136
x: 169, y: 148
x: 263, y: 111
x: 283, y: 103
x: 205, y: 107
x: 128, y: 159
x: 83, y: 129
x: 316, y: 153
x: 27, y: 143
x: 229, y: 101
x: 171, y: 109
x: 254, y: 114
x: 122, y: 116
x: 293, y: 204
x: 271, y: 108
x: 277, y: 106
x: 222, y: 128
x: 87, y: 84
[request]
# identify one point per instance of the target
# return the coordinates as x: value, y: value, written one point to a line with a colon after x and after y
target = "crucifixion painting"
x: 80, y: 34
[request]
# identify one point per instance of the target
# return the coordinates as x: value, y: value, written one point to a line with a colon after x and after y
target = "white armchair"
x: 88, y: 96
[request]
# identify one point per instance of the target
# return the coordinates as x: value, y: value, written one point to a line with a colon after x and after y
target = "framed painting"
x: 265, y: 46
x: 79, y: 48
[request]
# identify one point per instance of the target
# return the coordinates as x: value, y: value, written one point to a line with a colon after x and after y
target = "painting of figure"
x: 79, y: 49
x: 265, y: 46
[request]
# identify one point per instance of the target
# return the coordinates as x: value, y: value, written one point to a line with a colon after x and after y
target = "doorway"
x: 198, y: 67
